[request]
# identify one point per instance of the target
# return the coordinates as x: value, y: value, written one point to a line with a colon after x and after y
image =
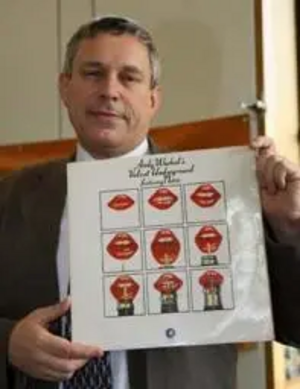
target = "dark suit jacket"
x: 31, y: 206
x: 284, y: 275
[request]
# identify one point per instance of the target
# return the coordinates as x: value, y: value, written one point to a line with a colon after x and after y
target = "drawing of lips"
x: 124, y: 288
x: 165, y: 247
x: 168, y: 283
x: 122, y: 246
x: 208, y: 239
x: 163, y: 199
x: 205, y: 196
x: 120, y: 202
x: 211, y: 279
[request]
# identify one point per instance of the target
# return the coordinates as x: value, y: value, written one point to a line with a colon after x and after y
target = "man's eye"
x: 93, y: 73
x: 130, y: 78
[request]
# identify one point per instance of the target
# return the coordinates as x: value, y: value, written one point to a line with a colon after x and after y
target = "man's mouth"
x: 106, y: 114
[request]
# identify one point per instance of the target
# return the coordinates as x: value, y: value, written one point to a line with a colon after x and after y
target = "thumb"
x: 48, y: 314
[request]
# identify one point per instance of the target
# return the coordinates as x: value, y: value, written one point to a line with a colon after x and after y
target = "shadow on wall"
x: 191, y: 70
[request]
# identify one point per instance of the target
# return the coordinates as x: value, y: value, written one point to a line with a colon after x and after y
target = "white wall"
x: 280, y: 74
x: 252, y: 368
x: 208, y: 53
x: 207, y: 48
x: 71, y: 14
x: 29, y: 108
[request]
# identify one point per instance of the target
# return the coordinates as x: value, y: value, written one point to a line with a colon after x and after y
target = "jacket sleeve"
x: 6, y: 324
x: 284, y: 272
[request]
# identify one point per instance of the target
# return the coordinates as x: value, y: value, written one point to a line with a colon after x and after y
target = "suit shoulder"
x: 28, y: 175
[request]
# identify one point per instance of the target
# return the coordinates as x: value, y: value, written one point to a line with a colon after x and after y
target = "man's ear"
x: 156, y: 97
x: 63, y: 84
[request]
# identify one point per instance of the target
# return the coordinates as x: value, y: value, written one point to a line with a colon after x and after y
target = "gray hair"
x: 115, y: 26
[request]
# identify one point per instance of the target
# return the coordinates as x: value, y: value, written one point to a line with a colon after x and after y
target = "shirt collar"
x: 141, y: 149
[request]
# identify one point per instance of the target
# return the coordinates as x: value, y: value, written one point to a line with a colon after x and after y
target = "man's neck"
x: 83, y: 155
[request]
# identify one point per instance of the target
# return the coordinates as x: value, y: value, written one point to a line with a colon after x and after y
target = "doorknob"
x: 258, y: 106
x: 255, y: 111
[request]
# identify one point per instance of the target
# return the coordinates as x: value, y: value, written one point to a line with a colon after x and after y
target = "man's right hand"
x: 40, y: 354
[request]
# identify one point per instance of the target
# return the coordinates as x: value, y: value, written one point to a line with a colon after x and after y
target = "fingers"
x: 61, y: 368
x: 82, y: 351
x: 62, y: 348
x: 37, y: 352
x: 51, y: 313
x: 55, y: 369
x: 54, y: 345
x: 263, y: 145
x: 275, y: 173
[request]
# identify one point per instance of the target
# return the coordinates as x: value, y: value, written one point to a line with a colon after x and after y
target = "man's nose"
x: 110, y: 88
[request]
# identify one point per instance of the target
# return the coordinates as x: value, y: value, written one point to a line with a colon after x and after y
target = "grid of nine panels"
x: 165, y: 250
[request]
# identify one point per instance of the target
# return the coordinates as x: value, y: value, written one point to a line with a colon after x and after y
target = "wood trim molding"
x: 221, y: 132
x: 259, y: 60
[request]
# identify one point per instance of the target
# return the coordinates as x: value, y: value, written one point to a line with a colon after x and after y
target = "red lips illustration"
x: 168, y: 283
x: 211, y: 279
x: 165, y: 247
x: 208, y: 239
x: 206, y: 195
x: 122, y: 246
x: 124, y: 288
x: 163, y: 199
x: 120, y: 202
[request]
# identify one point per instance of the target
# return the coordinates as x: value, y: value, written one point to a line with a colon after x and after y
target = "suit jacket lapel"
x: 42, y: 210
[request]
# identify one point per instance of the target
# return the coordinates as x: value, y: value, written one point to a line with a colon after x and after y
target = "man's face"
x: 108, y: 95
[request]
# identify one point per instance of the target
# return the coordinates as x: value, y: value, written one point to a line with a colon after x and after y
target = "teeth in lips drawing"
x: 208, y: 239
x: 163, y: 199
x: 122, y: 246
x: 124, y: 288
x: 165, y: 247
x: 211, y: 279
x: 168, y: 283
x: 206, y: 195
x: 120, y: 202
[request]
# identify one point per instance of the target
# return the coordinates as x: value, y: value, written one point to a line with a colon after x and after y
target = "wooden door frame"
x: 259, y: 65
x: 212, y: 133
x: 259, y: 60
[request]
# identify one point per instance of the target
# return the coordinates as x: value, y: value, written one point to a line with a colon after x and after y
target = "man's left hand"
x: 279, y: 181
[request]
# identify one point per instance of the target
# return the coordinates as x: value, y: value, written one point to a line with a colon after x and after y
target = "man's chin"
x: 108, y: 137
x: 107, y: 143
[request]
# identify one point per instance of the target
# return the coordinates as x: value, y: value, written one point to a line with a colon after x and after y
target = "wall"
x: 29, y: 108
x: 280, y: 74
x: 282, y: 116
x: 252, y: 372
x: 207, y: 50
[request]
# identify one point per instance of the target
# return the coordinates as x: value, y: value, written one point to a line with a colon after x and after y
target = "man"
x: 280, y: 193
x: 110, y: 88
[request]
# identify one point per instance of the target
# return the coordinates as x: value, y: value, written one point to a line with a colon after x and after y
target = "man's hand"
x: 280, y: 188
x: 38, y: 353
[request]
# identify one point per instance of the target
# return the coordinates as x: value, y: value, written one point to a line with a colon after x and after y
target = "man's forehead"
x: 110, y: 43
x: 108, y: 50
x: 106, y: 65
